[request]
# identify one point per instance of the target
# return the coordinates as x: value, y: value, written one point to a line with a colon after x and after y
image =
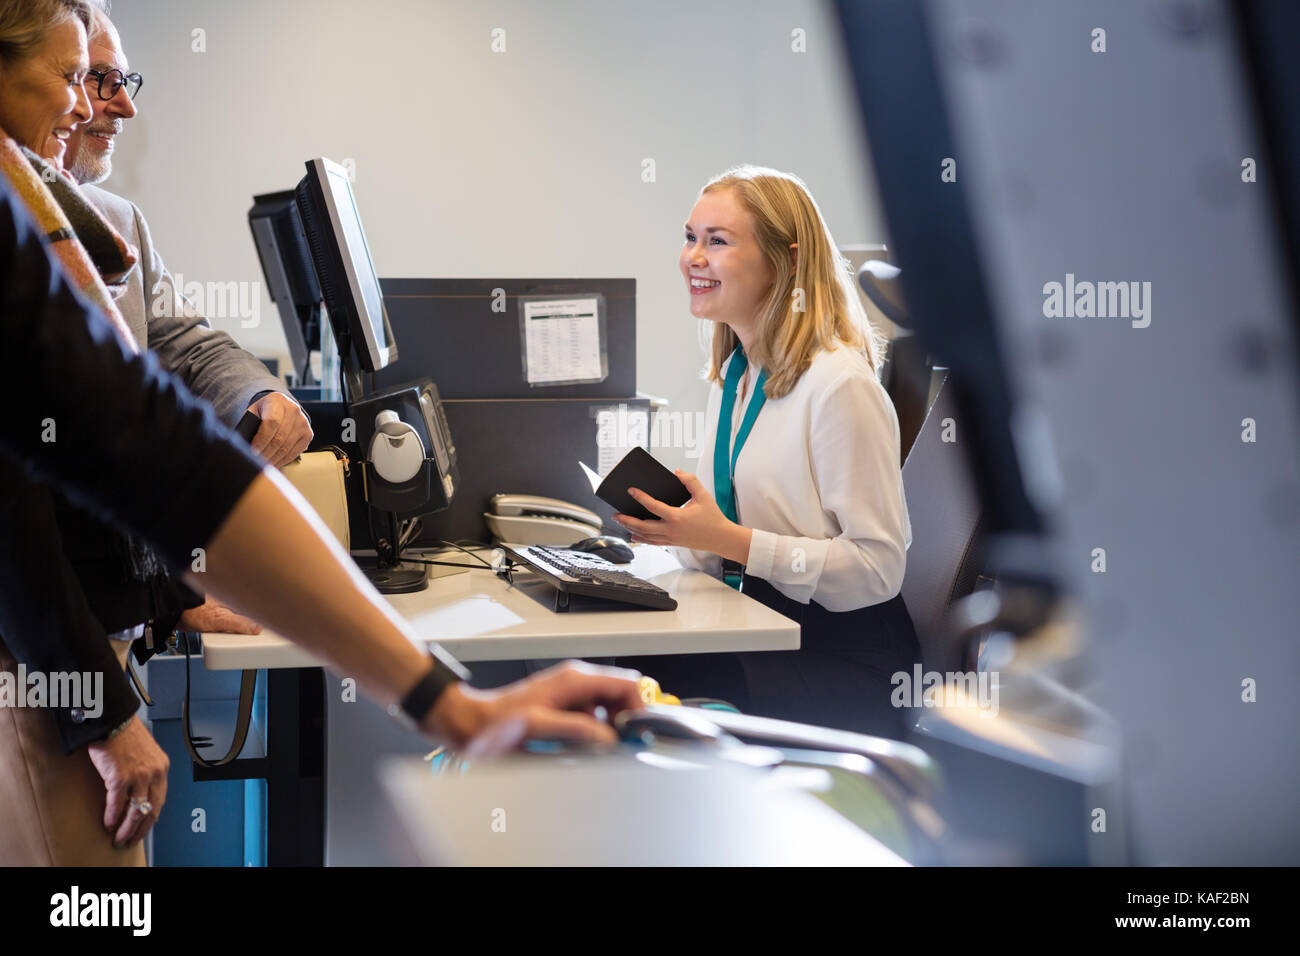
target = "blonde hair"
x: 813, y: 304
x: 24, y: 24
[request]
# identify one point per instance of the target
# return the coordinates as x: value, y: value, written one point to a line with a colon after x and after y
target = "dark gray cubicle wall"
x: 527, y: 447
x: 446, y: 329
x: 510, y: 436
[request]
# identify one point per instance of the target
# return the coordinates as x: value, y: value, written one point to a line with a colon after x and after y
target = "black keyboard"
x: 576, y: 572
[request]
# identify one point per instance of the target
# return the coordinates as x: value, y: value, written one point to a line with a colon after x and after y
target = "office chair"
x: 945, y: 515
x: 906, y: 376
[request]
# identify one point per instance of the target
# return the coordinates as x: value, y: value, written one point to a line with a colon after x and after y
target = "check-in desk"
x: 338, y: 737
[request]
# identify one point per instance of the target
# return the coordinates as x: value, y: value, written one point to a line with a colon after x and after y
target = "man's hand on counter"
x: 214, y: 617
x: 557, y: 703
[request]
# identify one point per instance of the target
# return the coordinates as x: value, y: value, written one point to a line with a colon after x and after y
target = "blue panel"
x: 230, y: 830
x: 184, y: 836
x: 254, y: 823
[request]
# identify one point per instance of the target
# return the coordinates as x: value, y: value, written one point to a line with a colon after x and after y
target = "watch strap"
x: 421, y: 698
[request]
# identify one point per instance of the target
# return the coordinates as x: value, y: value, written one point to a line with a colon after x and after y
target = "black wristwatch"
x: 411, y: 710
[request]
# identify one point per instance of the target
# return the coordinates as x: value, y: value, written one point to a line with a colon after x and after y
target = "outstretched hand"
x: 557, y: 703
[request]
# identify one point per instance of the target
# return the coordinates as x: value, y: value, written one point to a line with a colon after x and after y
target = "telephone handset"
x: 532, y: 519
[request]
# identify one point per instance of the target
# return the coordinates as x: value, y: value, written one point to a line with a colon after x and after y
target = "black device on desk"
x: 612, y: 549
x: 576, y: 572
x: 410, y: 458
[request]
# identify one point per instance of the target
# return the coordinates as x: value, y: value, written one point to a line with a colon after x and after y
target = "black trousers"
x: 840, y: 677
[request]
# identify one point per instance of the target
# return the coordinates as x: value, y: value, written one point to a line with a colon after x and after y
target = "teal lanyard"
x: 724, y: 456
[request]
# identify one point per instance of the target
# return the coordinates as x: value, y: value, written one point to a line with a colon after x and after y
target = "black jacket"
x: 131, y: 445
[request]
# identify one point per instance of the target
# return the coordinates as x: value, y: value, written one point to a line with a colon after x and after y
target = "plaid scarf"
x: 95, y: 258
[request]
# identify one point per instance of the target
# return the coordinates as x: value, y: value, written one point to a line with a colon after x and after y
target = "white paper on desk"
x: 562, y: 341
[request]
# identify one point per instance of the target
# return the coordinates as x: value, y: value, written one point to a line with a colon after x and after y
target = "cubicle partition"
x: 527, y: 446
x: 466, y: 335
x: 511, y: 436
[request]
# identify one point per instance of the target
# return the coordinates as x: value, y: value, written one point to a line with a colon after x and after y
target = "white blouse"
x: 819, y: 483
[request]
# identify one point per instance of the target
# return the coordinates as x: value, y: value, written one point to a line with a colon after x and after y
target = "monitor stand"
x: 398, y: 580
x: 389, y: 577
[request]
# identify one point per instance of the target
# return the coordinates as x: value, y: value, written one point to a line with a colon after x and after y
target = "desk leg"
x: 295, y: 783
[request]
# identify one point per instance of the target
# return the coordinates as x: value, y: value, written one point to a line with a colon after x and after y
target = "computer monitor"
x: 407, y: 453
x: 347, y: 274
x: 290, y: 276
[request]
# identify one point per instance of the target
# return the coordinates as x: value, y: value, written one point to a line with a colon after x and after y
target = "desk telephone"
x: 527, y: 519
x: 530, y: 519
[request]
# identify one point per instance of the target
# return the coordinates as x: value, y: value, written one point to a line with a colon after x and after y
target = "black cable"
x: 476, y: 557
x: 411, y: 528
x: 388, y: 557
x: 445, y: 564
x: 383, y: 550
x: 451, y: 564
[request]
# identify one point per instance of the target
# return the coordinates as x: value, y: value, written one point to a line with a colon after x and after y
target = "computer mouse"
x: 605, y: 546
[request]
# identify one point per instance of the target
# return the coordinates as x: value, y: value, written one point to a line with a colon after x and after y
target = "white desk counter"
x: 478, y: 616
x: 613, y: 810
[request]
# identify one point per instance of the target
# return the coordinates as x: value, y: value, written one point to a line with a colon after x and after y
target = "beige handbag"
x: 320, y: 476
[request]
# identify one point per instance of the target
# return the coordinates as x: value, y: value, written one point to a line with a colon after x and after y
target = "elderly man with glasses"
x: 210, y: 362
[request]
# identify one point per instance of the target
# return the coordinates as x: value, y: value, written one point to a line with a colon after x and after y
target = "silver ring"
x: 144, y: 806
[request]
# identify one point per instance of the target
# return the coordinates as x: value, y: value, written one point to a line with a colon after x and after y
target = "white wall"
x: 474, y: 163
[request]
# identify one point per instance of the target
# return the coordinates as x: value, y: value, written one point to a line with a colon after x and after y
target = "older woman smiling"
x: 43, y: 62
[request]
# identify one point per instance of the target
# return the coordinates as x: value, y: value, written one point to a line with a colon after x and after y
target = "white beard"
x: 91, y: 172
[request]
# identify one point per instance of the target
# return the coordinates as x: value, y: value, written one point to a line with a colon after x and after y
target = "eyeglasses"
x: 110, y: 81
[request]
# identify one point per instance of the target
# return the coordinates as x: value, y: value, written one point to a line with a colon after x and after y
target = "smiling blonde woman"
x: 800, y: 503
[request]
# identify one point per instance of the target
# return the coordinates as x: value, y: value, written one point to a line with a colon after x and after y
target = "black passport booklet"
x: 639, y: 469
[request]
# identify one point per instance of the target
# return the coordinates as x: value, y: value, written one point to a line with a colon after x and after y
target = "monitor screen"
x: 358, y: 253
x: 344, y: 267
